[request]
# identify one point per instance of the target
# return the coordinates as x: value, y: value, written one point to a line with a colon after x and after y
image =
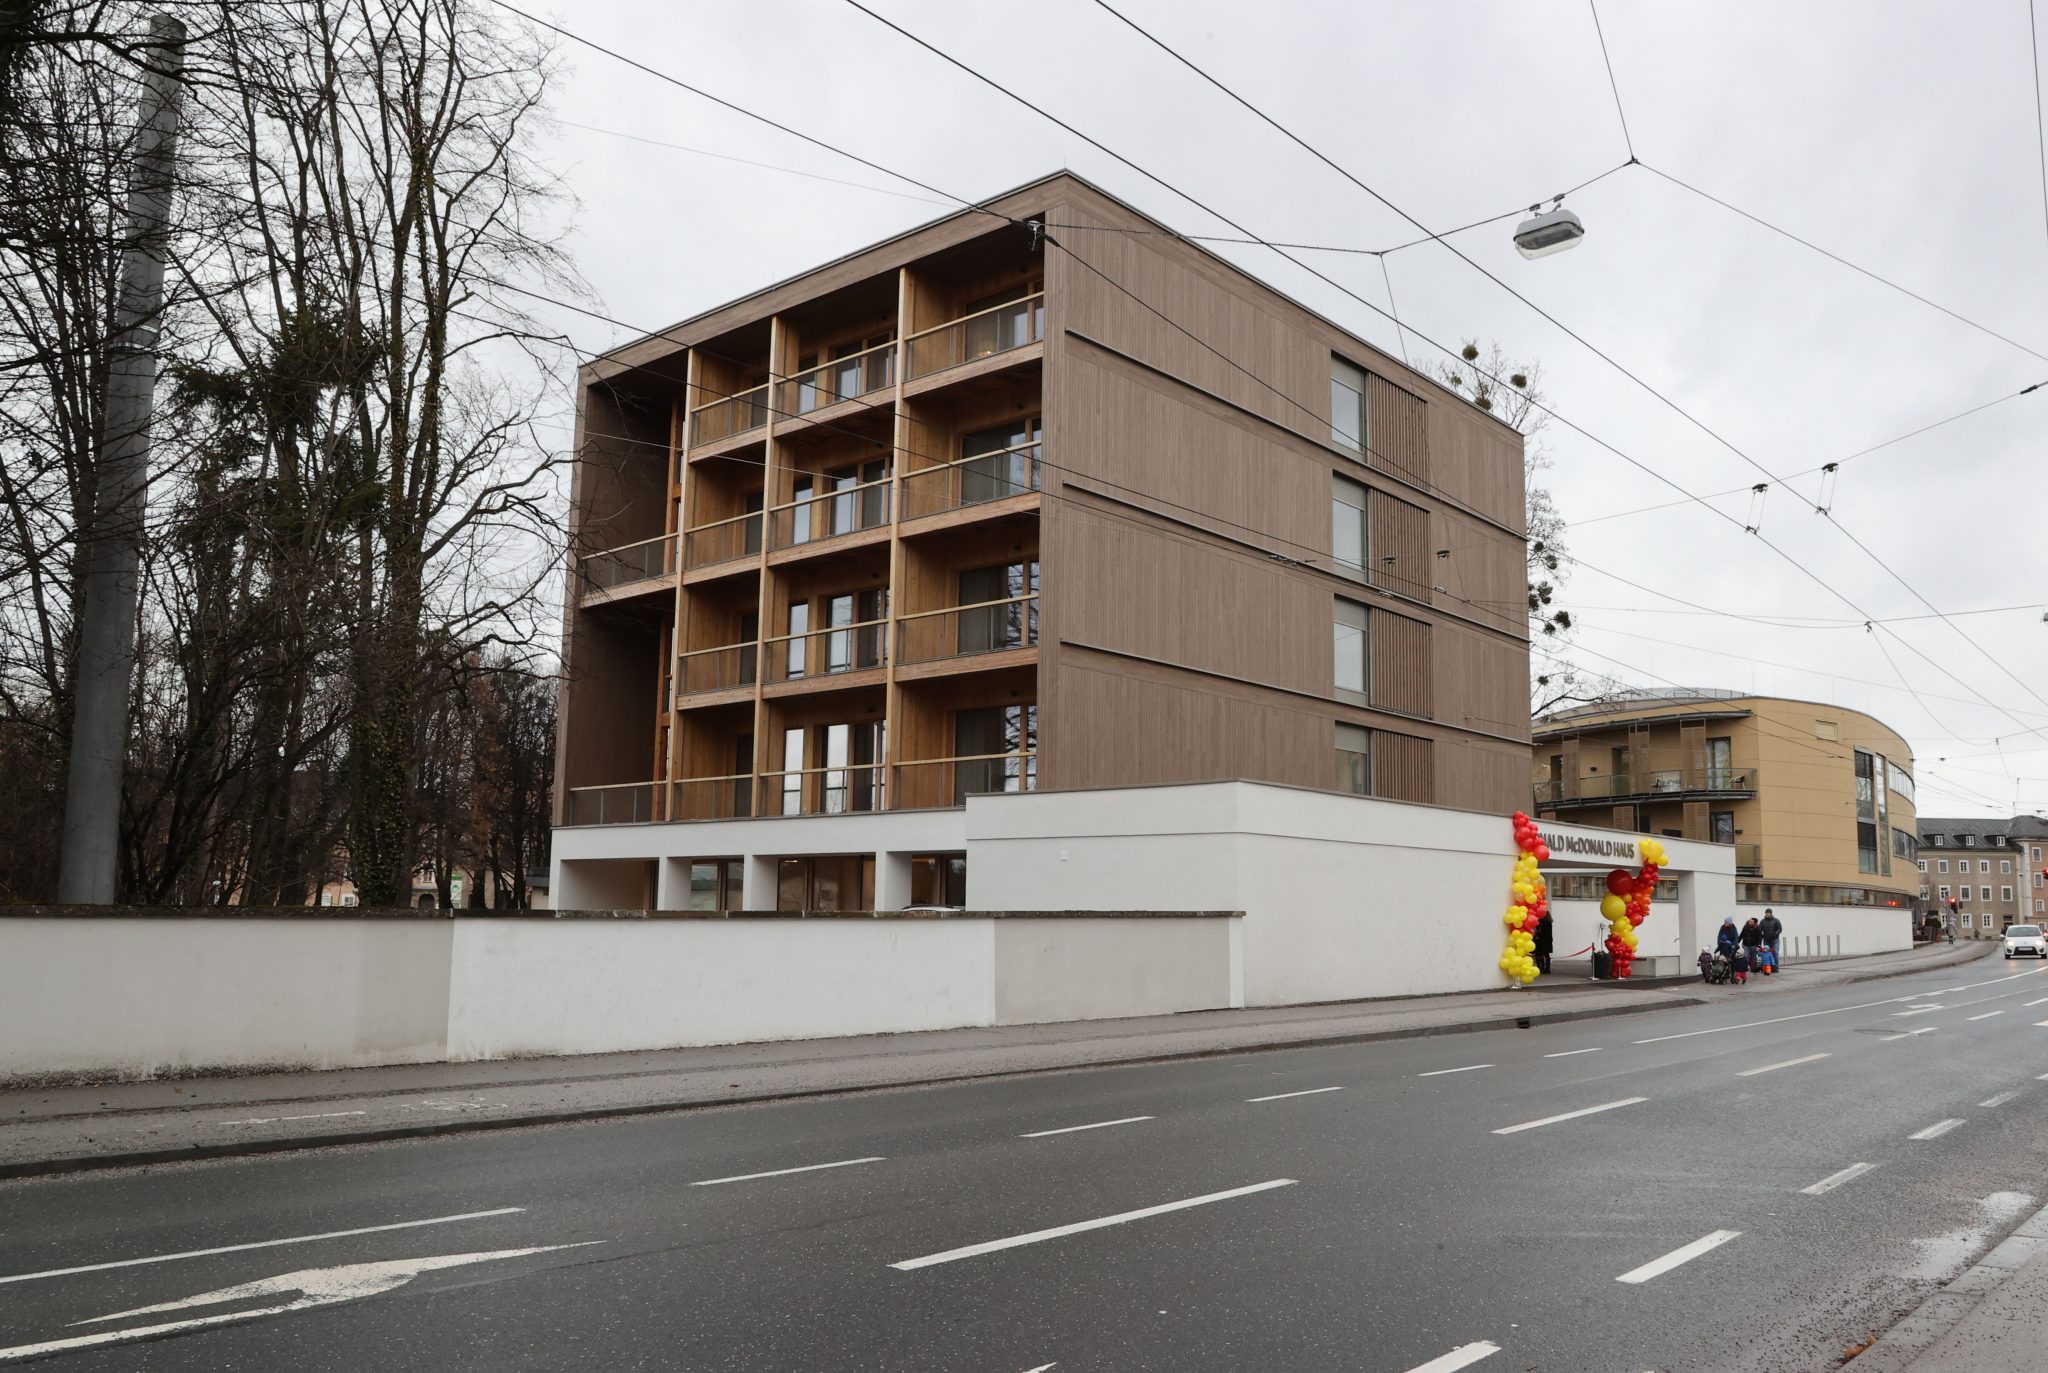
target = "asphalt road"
x: 1751, y: 1197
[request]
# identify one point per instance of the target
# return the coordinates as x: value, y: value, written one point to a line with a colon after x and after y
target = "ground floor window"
x: 1966, y: 919
x: 1354, y: 760
x: 938, y: 879
x: 717, y: 884
x: 825, y: 884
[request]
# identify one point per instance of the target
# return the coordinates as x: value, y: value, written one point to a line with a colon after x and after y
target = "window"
x: 1721, y: 826
x: 2005, y: 865
x: 1983, y: 865
x: 1003, y: 619
x: 2037, y: 881
x: 1944, y: 891
x: 1966, y: 918
x: 1983, y: 893
x: 2039, y: 905
x: 1905, y: 845
x: 1942, y: 864
x: 1002, y: 744
x: 2005, y: 895
x: 1866, y: 847
x: 716, y: 884
x: 1000, y: 462
x: 2037, y: 853
x: 1347, y: 405
x: 938, y: 879
x: 1351, y: 651
x: 825, y: 884
x: 861, y: 499
x: 1968, y: 841
x: 1349, y: 539
x: 349, y: 899
x: 799, y: 625
x: 792, y: 776
x: 1923, y: 866
x: 1354, y: 760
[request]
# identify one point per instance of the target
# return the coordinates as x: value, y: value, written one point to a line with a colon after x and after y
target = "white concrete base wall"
x: 1820, y: 931
x: 141, y: 997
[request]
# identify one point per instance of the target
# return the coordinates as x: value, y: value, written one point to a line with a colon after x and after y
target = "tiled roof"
x: 1951, y: 831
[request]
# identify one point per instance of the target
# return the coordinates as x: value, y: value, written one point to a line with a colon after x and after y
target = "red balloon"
x: 1620, y: 880
x: 1542, y: 852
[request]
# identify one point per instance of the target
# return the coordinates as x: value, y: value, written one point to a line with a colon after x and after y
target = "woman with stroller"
x: 1728, y: 944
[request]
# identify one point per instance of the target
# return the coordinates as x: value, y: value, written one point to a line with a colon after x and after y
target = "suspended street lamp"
x: 1547, y: 232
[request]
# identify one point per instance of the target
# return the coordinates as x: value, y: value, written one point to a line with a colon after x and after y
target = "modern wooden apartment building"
x: 1043, y: 497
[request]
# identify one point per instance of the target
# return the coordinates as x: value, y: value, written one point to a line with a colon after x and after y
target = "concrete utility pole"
x: 106, y: 636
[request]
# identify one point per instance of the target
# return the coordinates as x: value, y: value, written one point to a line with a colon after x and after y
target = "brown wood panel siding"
x: 1397, y: 430
x: 1481, y: 682
x: 1402, y: 767
x: 1481, y: 775
x: 1475, y: 460
x: 1129, y: 724
x: 1400, y: 662
x: 1398, y: 558
x: 1695, y: 824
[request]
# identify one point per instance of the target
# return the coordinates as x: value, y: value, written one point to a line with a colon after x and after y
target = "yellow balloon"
x: 1612, y: 907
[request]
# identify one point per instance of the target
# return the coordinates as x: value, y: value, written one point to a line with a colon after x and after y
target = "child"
x: 1740, y: 962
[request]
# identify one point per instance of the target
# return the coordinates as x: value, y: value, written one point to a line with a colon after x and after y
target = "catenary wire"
x: 1612, y: 85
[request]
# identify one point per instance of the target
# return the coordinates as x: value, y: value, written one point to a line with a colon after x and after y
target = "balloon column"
x: 1531, y: 903
x: 1627, y: 904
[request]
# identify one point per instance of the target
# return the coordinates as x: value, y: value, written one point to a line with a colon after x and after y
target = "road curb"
x: 469, y: 1125
x: 1927, y: 1324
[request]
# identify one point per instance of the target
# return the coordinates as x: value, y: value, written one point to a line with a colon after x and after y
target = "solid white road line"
x: 271, y: 1120
x: 261, y: 1244
x: 1920, y: 1010
x: 1041, y: 1368
x: 2037, y: 1001
x: 1468, y: 1068
x: 785, y: 1172
x: 1788, y: 1063
x: 1908, y: 1034
x: 1464, y: 1356
x: 1060, y: 1231
x: 1687, y: 1254
x: 1834, y: 1180
x: 1998, y: 1100
x: 1808, y: 1015
x: 1987, y: 1015
x: 1070, y: 1129
x: 1936, y: 1130
x: 1570, y: 1115
x: 1282, y: 1096
x: 1569, y: 1052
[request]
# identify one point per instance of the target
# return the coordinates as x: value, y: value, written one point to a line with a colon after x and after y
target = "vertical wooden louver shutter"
x: 1399, y: 650
x: 1398, y: 558
x: 1403, y: 767
x: 1397, y: 431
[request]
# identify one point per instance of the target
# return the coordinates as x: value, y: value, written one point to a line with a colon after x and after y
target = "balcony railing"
x: 847, y: 378
x: 1663, y: 777
x: 825, y: 791
x: 843, y: 510
x: 717, y: 669
x: 626, y: 803
x: 729, y: 415
x: 983, y: 334
x: 972, y: 481
x: 950, y: 781
x: 722, y: 541
x: 987, y: 627
x: 827, y: 650
x: 633, y: 562
x: 1749, y: 860
x: 712, y: 798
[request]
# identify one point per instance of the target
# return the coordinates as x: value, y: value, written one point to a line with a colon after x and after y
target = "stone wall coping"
x: 411, y: 913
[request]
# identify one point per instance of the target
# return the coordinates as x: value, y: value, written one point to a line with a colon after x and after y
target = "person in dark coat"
x: 1729, y: 940
x: 1542, y: 952
x: 1752, y: 935
x: 1772, y: 929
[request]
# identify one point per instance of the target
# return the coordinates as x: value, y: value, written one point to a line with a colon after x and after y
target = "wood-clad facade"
x: 981, y: 508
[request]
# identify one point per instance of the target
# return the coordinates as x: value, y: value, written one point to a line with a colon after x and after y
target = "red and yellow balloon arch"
x: 1626, y: 905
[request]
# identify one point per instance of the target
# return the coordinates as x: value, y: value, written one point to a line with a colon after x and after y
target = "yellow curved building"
x: 1817, y: 799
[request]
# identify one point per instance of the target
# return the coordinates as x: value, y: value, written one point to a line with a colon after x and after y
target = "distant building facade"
x: 1991, y: 869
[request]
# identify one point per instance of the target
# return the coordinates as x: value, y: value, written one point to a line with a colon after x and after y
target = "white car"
x: 2025, y: 941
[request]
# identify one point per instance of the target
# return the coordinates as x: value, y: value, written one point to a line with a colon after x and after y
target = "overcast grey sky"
x: 1900, y: 135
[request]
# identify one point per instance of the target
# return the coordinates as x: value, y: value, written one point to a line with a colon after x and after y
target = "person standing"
x: 1772, y: 929
x: 1752, y: 935
x: 1543, y: 937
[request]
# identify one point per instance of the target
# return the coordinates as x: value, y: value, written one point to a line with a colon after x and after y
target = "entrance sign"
x: 1603, y: 848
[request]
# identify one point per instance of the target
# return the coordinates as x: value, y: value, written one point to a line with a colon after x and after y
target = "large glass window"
x: 799, y: 625
x: 1349, y: 622
x: 825, y: 884
x: 716, y: 884
x: 1354, y: 760
x: 1000, y: 744
x: 1349, y: 539
x: 1000, y: 462
x: 792, y: 772
x: 1347, y: 405
x: 1002, y: 619
x: 938, y: 879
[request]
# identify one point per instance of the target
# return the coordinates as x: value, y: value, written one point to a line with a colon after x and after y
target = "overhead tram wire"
x: 1619, y: 113
x: 2040, y: 135
x: 1553, y: 320
x: 983, y: 208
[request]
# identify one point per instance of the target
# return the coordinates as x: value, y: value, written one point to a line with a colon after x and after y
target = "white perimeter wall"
x: 1343, y: 897
x: 141, y: 996
x: 1810, y: 931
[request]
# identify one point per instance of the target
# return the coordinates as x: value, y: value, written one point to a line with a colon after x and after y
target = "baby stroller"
x: 1715, y: 968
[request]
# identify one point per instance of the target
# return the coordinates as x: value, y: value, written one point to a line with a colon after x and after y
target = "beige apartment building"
x: 1817, y: 799
x: 1043, y: 498
x: 1992, y: 870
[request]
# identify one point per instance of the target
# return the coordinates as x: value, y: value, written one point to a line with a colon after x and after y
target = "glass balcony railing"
x: 842, y: 510
x: 626, y: 803
x: 988, y: 627
x: 712, y: 798
x: 983, y: 334
x: 971, y: 481
x: 825, y: 791
x: 633, y: 562
x: 847, y: 378
x: 729, y: 415
x: 831, y: 649
x: 1662, y: 776
x: 717, y: 669
x: 950, y: 781
x: 722, y: 541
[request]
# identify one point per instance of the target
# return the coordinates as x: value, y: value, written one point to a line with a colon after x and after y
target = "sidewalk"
x: 62, y: 1129
x: 1989, y: 1320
